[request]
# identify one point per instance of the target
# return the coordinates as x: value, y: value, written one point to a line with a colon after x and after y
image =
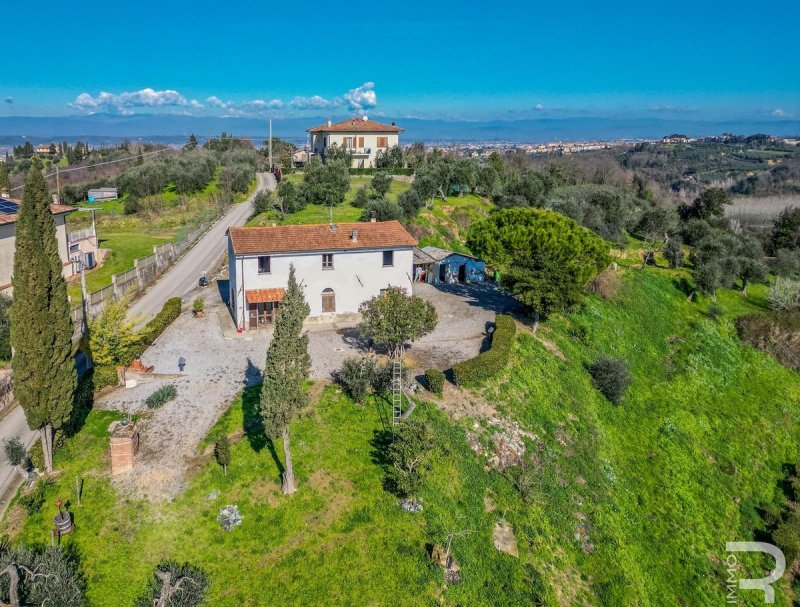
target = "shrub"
x: 715, y: 311
x: 605, y: 284
x: 15, y: 451
x: 356, y: 376
x: 198, y: 305
x: 409, y: 455
x: 33, y: 501
x: 435, y: 379
x: 784, y: 295
x: 36, y: 456
x: 161, y: 397
x: 174, y: 585
x: 105, y: 376
x: 222, y: 451
x: 611, y: 377
x: 490, y: 363
x: 381, y: 380
x: 674, y: 253
x: 131, y: 205
x: 169, y: 312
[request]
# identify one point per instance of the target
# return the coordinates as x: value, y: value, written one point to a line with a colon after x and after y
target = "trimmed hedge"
x: 104, y: 376
x: 372, y: 171
x: 435, y: 379
x: 490, y: 363
x: 169, y: 312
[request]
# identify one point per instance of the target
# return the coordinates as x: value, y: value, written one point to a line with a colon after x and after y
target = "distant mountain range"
x: 112, y: 128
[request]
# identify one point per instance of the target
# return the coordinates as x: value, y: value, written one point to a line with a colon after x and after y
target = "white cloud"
x: 538, y: 107
x: 215, y: 101
x: 314, y: 103
x: 245, y: 108
x: 362, y: 97
x: 779, y: 113
x: 125, y: 102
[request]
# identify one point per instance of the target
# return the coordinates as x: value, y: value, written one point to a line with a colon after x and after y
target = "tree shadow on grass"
x: 380, y: 443
x: 252, y: 422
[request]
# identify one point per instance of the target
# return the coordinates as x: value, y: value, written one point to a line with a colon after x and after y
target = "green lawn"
x: 315, y: 213
x: 130, y: 237
x: 632, y: 503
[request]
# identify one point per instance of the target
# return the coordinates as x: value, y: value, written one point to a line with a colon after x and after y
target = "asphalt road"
x: 204, y: 256
x: 12, y: 425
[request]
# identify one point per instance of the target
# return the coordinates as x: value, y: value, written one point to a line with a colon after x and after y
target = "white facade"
x: 363, y: 146
x: 361, y: 137
x: 8, y: 245
x: 356, y: 275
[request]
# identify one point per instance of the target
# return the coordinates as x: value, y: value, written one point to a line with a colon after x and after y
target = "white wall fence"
x: 78, y: 235
x: 145, y: 271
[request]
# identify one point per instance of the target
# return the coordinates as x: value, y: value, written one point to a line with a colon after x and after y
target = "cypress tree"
x: 5, y: 182
x: 41, y: 328
x: 288, y: 365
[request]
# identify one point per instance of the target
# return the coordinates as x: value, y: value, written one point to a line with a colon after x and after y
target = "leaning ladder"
x: 397, y: 391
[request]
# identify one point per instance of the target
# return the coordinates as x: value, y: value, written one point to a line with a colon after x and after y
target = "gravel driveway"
x: 218, y: 368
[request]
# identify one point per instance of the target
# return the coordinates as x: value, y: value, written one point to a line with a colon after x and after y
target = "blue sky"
x: 466, y: 59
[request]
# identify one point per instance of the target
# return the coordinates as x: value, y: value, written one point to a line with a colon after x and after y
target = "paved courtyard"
x: 220, y: 363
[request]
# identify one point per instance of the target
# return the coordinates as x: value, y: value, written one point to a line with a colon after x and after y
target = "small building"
x: 8, y: 229
x: 339, y: 267
x: 101, y: 194
x: 439, y: 266
x: 300, y: 158
x: 45, y: 150
x: 361, y: 137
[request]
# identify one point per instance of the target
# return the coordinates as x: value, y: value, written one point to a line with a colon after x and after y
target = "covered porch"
x: 262, y: 307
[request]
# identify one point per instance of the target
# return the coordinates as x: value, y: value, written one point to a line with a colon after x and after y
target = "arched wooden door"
x: 328, y: 301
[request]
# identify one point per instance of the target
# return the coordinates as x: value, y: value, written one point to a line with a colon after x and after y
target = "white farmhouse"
x: 338, y: 266
x: 360, y: 136
x: 9, y: 207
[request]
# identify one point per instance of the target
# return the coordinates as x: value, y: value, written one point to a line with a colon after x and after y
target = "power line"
x: 136, y: 156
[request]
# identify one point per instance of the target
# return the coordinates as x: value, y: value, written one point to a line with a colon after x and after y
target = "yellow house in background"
x: 360, y: 136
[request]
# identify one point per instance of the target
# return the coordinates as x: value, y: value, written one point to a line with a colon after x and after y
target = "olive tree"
x: 393, y: 318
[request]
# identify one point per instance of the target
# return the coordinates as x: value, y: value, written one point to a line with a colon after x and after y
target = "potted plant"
x: 198, y: 307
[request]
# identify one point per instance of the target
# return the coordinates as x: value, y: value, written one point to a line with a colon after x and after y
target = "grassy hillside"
x: 446, y: 222
x: 632, y: 504
x: 315, y: 213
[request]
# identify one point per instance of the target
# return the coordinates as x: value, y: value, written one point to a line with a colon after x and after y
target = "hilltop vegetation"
x: 611, y: 486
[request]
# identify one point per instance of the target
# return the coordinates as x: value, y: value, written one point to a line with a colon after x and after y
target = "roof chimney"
x: 373, y: 217
x: 334, y: 228
x: 394, y: 123
x: 354, y: 235
x: 330, y: 122
x: 364, y: 118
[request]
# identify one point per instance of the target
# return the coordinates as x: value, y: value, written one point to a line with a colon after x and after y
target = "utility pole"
x: 270, y: 143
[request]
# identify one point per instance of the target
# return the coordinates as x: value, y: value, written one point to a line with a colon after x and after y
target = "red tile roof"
x: 264, y: 295
x: 356, y: 125
x: 55, y: 209
x: 320, y: 237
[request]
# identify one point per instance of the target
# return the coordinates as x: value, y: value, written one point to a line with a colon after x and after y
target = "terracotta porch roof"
x: 264, y: 295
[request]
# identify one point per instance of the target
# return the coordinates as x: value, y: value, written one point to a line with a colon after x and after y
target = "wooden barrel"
x: 63, y: 521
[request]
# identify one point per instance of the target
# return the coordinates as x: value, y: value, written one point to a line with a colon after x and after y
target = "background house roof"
x: 9, y: 207
x: 358, y: 125
x: 320, y: 237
